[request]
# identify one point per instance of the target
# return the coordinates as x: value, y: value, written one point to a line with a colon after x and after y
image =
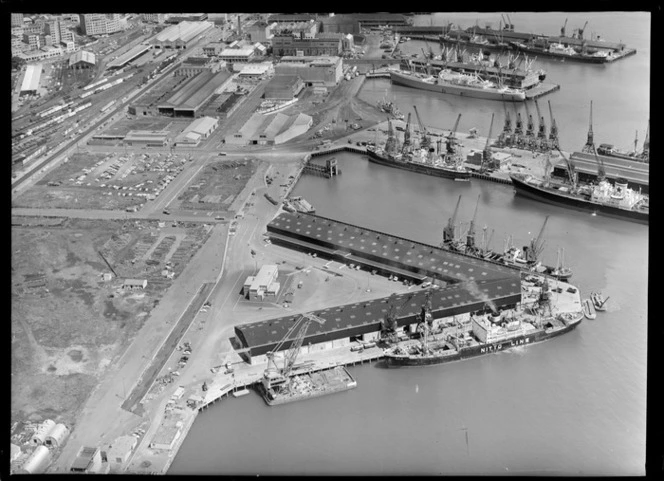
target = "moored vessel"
x: 598, y: 301
x: 589, y: 309
x: 309, y: 385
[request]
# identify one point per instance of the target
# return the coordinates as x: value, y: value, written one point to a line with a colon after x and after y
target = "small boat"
x: 599, y: 303
x: 589, y: 309
x: 561, y: 272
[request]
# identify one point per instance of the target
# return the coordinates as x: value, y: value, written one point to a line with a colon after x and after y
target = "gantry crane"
x: 276, y: 378
x: 486, y: 153
x: 536, y: 245
x: 424, y: 135
x: 590, y: 142
x: 449, y: 231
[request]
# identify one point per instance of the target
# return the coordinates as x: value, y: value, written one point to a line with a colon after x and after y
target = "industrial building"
x: 31, y: 79
x: 363, y: 320
x: 128, y: 56
x: 154, y: 17
x: 82, y: 60
x: 235, y: 55
x: 290, y: 18
x: 297, y: 29
x: 119, y: 451
x: 354, y: 22
x: 260, y: 31
x: 146, y: 138
x: 263, y: 284
x: 88, y: 460
x: 192, y: 66
x: 132, y: 284
x: 288, y: 44
x: 200, y: 129
x: 314, y: 71
x: 180, y: 36
x: 188, y: 100
x: 270, y: 129
x: 213, y: 49
x: 256, y: 69
x: 283, y: 87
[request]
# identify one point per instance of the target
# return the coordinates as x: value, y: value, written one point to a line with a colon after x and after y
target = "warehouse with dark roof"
x: 192, y: 96
x: 363, y: 319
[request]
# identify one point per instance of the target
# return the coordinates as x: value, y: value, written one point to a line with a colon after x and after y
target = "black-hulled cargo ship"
x: 617, y: 201
x: 441, y: 170
x: 485, y: 335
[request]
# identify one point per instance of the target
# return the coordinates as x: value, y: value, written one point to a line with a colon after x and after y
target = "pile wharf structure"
x: 472, y: 284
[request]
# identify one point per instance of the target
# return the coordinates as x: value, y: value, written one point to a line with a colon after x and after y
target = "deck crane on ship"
x: 534, y: 251
x: 562, y: 30
x: 406, y: 146
x: 389, y: 331
x: 471, y: 246
x: 278, y: 379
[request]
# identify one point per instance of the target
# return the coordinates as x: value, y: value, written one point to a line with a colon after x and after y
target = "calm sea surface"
x: 573, y: 405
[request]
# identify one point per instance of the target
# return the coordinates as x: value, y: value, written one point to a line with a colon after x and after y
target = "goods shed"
x: 350, y: 321
x: 180, y: 36
x: 188, y: 100
x: 346, y: 239
x: 130, y: 55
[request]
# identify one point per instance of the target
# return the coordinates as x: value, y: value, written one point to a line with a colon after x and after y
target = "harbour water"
x: 572, y: 406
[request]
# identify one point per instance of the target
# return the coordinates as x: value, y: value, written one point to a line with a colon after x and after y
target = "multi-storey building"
x: 100, y: 24
x: 154, y: 17
x: 286, y: 44
x: 33, y: 41
x: 17, y: 20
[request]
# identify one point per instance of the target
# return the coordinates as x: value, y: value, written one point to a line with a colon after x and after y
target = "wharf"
x: 540, y: 90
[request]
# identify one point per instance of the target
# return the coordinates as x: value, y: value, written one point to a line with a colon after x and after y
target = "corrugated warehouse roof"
x: 365, y: 316
x: 291, y: 18
x: 388, y: 249
x: 144, y: 135
x: 277, y: 125
x: 256, y: 123
x: 201, y: 125
x: 237, y: 52
x: 128, y: 56
x: 82, y: 56
x: 281, y: 81
x: 31, y: 79
x: 183, y: 31
x: 634, y: 171
x: 196, y: 91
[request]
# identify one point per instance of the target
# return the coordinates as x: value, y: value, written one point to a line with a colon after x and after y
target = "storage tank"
x: 37, y: 462
x: 42, y: 431
x: 57, y: 435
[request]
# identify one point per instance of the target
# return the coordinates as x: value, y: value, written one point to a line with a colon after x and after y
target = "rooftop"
x: 128, y: 56
x: 196, y: 91
x: 237, y: 52
x: 183, y: 31
x: 82, y: 55
x: 31, y: 78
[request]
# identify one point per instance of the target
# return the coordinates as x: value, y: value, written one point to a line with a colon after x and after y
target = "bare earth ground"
x: 68, y: 324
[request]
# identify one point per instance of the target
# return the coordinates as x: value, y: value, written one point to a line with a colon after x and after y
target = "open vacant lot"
x: 70, y: 315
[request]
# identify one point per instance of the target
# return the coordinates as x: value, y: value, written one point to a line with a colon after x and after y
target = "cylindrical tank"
x: 37, y: 461
x: 42, y: 431
x: 57, y: 435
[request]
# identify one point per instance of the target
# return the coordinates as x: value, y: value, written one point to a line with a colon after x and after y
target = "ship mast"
x: 646, y: 144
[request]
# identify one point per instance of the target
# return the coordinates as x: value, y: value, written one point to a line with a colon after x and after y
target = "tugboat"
x: 389, y: 107
x: 598, y: 301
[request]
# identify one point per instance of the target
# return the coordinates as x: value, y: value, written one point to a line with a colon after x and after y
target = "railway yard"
x: 130, y: 260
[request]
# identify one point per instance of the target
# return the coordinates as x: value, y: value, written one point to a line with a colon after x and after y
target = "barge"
x: 308, y: 385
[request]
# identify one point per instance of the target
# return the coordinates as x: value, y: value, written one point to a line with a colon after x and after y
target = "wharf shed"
x: 364, y: 319
x: 356, y: 244
x: 188, y: 100
x: 270, y: 129
x: 637, y: 174
x: 129, y: 56
x: 180, y: 36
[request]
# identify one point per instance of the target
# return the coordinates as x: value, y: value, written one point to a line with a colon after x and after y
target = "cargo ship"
x: 309, y: 385
x: 563, y: 52
x: 617, y: 201
x: 379, y: 156
x: 457, y: 83
x: 484, y: 333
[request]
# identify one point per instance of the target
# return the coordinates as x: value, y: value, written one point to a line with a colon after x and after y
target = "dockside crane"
x: 534, y: 252
x: 553, y: 133
x: 511, y: 29
x: 590, y: 141
x: 486, y: 153
x: 471, y: 247
x: 562, y: 30
x: 405, y: 148
x: 601, y: 171
x: 424, y: 135
x: 541, y: 133
x: 449, y: 231
x: 646, y: 144
x: 581, y: 30
x: 451, y: 140
x: 571, y: 171
x: 276, y: 378
x: 530, y: 128
x: 389, y: 324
